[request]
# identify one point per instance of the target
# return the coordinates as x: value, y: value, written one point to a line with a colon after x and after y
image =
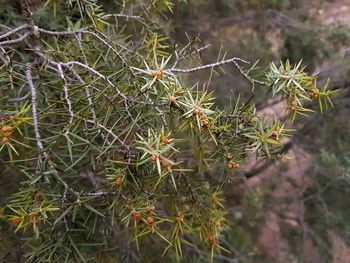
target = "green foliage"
x: 298, y: 88
x: 112, y: 149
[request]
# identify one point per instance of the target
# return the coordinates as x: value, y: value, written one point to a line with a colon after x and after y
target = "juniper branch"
x: 15, y: 41
x: 14, y: 31
x: 66, y: 94
x: 137, y: 17
x: 207, y: 66
x: 35, y: 112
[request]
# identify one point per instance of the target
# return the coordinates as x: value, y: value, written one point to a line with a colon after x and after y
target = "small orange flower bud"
x: 172, y: 99
x: 213, y: 197
x: 314, y: 92
x: 150, y: 220
x: 6, y: 128
x: 158, y: 74
x: 213, y: 239
x: 154, y: 157
x: 5, y: 140
x: 180, y: 218
x: 136, y: 215
x: 205, y: 126
x: 8, y: 134
x: 203, y: 117
x: 196, y: 110
x: 118, y: 181
x: 232, y: 165
x: 151, y: 208
x: 16, y: 220
x: 167, y: 141
x: 293, y: 105
x: 274, y: 134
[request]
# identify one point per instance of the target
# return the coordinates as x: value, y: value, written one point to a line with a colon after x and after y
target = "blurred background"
x: 297, y: 210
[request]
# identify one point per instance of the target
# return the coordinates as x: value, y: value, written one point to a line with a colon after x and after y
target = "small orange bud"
x: 213, y: 197
x: 293, y: 105
x: 5, y: 140
x: 172, y: 99
x: 16, y: 220
x: 136, y: 215
x: 180, y: 218
x: 151, y: 208
x: 150, y: 220
x: 196, y: 110
x: 274, y: 135
x: 154, y: 157
x: 167, y: 141
x: 229, y: 156
x: 158, y: 74
x: 118, y: 181
x: 213, y: 239
x: 232, y: 164
x: 6, y: 128
x: 203, y: 117
x: 205, y: 126
x: 314, y: 92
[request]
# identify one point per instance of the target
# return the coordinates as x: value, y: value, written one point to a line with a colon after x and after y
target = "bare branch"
x: 179, y: 55
x: 34, y: 110
x: 208, y: 66
x: 123, y: 16
x: 66, y: 94
x: 62, y: 33
x: 87, y: 90
x: 15, y: 41
x: 13, y: 31
x: 245, y: 74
